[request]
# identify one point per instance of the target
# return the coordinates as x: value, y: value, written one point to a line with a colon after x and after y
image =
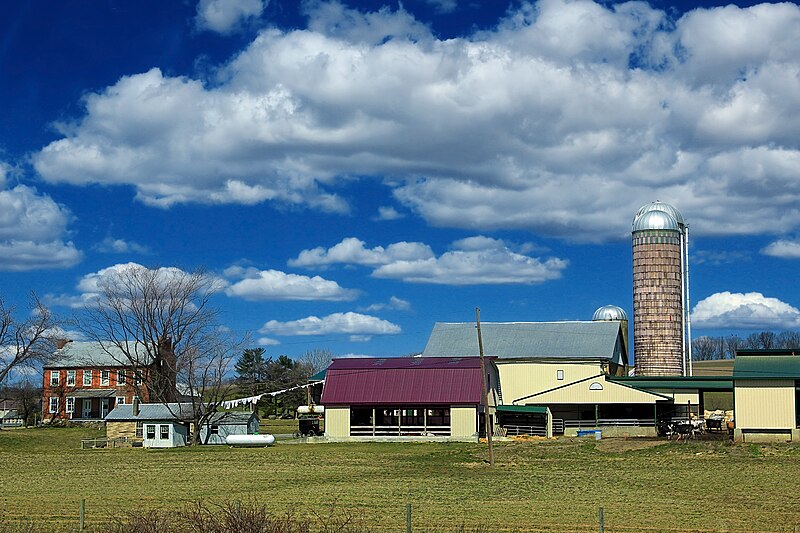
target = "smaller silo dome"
x: 660, y: 206
x: 609, y: 312
x: 655, y: 220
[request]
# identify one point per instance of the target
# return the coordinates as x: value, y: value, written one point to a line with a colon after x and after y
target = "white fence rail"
x: 399, y: 431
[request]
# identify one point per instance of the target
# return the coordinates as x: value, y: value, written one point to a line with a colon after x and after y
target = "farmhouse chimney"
x: 60, y: 343
x: 135, y: 406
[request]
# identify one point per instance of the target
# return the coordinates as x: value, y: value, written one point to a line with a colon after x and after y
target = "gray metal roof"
x: 660, y: 206
x: 77, y: 354
x: 228, y: 418
x: 537, y: 340
x: 151, y: 411
x: 655, y: 220
x: 610, y: 312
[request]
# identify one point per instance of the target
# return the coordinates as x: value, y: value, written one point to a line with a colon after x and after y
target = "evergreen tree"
x: 251, y: 368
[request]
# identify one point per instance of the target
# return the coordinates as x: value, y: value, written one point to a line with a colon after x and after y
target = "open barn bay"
x: 555, y: 485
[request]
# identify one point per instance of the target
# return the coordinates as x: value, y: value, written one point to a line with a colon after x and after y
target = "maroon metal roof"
x: 403, y: 381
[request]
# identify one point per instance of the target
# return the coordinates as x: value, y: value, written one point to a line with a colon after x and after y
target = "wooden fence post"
x: 82, y: 513
x: 602, y: 519
x: 408, y: 518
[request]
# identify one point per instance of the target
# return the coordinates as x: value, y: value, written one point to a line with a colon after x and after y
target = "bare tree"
x: 732, y: 344
x: 160, y: 322
x: 26, y: 343
x: 706, y: 349
x: 317, y: 359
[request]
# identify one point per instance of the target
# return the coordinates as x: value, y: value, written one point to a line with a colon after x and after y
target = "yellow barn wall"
x: 337, y: 421
x: 681, y: 397
x: 518, y: 380
x: 579, y: 393
x: 463, y: 421
x: 764, y: 404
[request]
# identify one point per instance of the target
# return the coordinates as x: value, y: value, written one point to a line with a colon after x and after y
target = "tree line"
x: 712, y: 348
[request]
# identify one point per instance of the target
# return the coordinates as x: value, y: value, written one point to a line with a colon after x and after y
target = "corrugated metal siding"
x: 463, y: 421
x: 581, y: 393
x: 337, y: 421
x: 764, y: 404
x: 518, y: 380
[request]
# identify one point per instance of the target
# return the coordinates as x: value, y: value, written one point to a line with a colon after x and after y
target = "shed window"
x: 54, y: 377
x: 214, y: 430
x: 54, y: 404
x: 151, y: 431
x: 71, y: 378
x: 138, y: 429
x: 164, y: 431
x: 596, y: 386
x: 87, y: 378
x: 559, y: 374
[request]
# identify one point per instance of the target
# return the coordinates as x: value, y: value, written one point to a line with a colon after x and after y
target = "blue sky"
x: 354, y: 172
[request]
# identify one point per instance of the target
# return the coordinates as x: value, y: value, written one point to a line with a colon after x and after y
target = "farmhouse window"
x: 54, y: 376
x: 120, y: 400
x: 104, y: 377
x: 121, y: 379
x: 137, y: 380
x: 54, y: 404
x: 87, y: 378
x: 70, y: 407
x: 151, y: 431
x: 139, y: 430
x: 164, y: 431
x: 71, y: 378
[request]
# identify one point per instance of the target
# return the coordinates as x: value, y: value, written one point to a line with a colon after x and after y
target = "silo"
x: 659, y: 291
x: 614, y: 313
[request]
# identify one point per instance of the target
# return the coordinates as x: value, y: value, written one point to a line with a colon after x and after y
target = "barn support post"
x: 596, y: 416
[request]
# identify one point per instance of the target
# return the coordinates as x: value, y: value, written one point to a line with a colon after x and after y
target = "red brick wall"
x: 63, y: 391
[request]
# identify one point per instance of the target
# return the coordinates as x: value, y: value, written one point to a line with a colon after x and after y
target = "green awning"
x: 530, y: 409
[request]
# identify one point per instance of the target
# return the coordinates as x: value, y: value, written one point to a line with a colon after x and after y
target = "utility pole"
x: 485, y: 393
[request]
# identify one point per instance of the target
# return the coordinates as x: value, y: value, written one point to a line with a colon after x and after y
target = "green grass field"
x: 554, y: 485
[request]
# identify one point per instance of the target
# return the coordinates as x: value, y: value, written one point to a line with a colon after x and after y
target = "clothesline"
x: 252, y: 400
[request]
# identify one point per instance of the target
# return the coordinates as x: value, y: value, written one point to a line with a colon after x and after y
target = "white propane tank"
x: 310, y: 409
x: 250, y: 440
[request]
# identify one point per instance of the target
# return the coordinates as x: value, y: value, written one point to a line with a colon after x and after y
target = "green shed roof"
x: 766, y: 366
x: 675, y: 382
x: 538, y: 409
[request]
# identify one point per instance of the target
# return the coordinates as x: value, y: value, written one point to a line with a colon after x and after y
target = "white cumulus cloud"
x: 561, y: 120
x: 353, y: 251
x: 33, y: 230
x: 750, y: 310
x: 354, y: 324
x: 254, y: 284
x: 394, y: 304
x: 784, y: 248
x: 120, y: 246
x: 226, y: 16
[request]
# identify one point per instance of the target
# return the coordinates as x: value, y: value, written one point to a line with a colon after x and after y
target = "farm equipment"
x: 308, y: 420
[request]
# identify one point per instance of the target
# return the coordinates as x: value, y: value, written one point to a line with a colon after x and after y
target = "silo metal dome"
x: 610, y: 312
x: 655, y: 220
x: 660, y: 206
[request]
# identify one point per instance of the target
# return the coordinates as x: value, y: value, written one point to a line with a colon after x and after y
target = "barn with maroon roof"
x: 403, y: 397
